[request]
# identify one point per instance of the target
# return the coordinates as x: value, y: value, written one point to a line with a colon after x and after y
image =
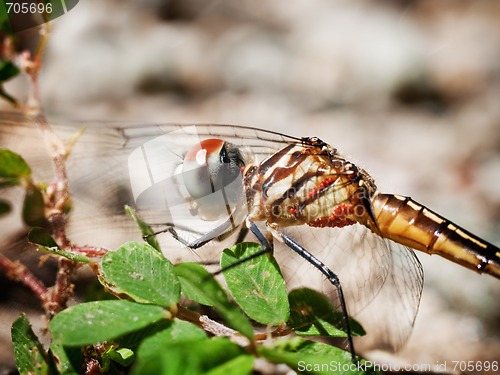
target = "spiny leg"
x: 197, y: 243
x: 266, y: 247
x: 207, y: 237
x: 330, y: 275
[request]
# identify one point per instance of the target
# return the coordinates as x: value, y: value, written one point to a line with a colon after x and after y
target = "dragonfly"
x: 298, y: 196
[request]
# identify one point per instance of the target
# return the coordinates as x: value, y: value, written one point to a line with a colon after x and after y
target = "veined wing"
x: 99, y: 171
x: 382, y: 281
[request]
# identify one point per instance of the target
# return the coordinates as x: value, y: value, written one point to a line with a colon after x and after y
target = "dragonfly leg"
x: 168, y: 227
x: 193, y: 245
x: 242, y: 234
x: 330, y: 275
x: 266, y: 246
x: 197, y: 243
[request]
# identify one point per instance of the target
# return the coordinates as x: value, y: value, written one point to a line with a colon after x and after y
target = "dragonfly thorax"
x: 308, y: 183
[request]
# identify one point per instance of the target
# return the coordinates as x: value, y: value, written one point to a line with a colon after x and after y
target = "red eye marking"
x: 210, y: 146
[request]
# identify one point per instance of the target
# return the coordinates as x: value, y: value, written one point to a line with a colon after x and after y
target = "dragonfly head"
x: 211, y: 172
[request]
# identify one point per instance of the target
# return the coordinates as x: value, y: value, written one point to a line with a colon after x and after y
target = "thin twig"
x: 91, y: 251
x: 280, y: 331
x: 32, y: 68
x: 17, y: 271
x: 215, y: 328
x: 56, y: 196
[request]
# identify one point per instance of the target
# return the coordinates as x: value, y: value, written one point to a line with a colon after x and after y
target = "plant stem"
x: 90, y: 251
x: 209, y: 325
x: 62, y: 289
x: 17, y: 271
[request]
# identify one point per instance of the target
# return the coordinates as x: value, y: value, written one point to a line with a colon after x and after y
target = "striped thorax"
x: 308, y: 183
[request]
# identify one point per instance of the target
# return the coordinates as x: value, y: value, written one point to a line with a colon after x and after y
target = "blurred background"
x: 409, y: 90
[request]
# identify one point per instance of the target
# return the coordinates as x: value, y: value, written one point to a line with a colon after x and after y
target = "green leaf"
x: 309, y: 357
x: 145, y: 228
x: 122, y: 356
x: 257, y: 284
x: 5, y: 207
x: 7, y: 69
x: 28, y: 351
x: 133, y: 339
x: 191, y: 287
x: 44, y: 241
x: 177, y: 331
x: 4, y: 20
x: 190, y: 353
x: 203, y: 283
x: 142, y: 273
x: 67, y: 254
x: 13, y: 168
x: 312, y: 314
x: 34, y: 208
x: 68, y: 360
x: 41, y: 236
x: 91, y: 322
x: 243, y: 364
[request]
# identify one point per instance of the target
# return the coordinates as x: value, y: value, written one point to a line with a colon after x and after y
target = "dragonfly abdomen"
x: 407, y: 222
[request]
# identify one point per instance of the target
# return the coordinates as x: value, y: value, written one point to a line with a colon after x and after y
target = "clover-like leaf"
x: 310, y: 357
x: 312, y: 314
x: 190, y: 354
x: 91, y: 322
x: 30, y: 355
x: 256, y: 284
x: 142, y: 273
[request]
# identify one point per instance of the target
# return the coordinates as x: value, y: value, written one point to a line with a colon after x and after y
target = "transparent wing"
x: 382, y: 281
x: 390, y: 318
x: 101, y: 172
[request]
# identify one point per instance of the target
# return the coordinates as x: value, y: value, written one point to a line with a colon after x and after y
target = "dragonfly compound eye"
x: 212, y: 176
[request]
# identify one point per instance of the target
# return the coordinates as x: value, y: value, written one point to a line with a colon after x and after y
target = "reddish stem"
x: 19, y: 272
x: 62, y: 289
x: 90, y: 251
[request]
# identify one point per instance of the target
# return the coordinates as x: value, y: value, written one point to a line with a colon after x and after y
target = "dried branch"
x: 215, y: 328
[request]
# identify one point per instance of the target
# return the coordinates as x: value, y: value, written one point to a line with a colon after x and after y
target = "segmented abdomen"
x: 407, y: 222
